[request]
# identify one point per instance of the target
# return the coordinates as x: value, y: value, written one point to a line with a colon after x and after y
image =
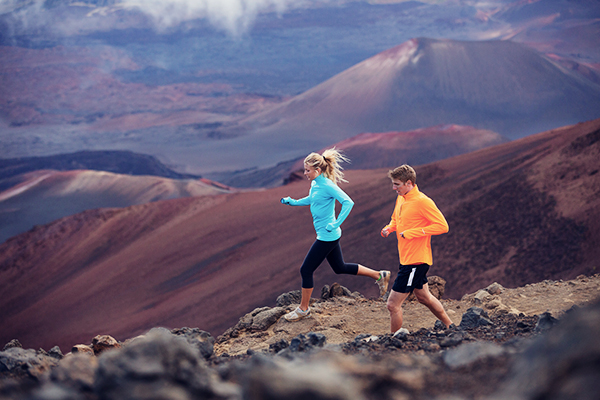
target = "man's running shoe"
x: 297, y: 315
x: 383, y: 282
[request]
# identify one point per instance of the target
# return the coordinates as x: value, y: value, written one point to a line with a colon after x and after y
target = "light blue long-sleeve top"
x: 321, y: 198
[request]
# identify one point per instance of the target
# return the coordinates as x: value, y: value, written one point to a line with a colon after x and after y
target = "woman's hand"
x: 285, y: 200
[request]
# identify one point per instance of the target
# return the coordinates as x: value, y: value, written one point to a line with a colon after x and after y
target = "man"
x: 415, y: 219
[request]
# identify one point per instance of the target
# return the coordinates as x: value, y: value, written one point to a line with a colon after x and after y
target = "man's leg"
x: 394, y: 306
x: 425, y: 297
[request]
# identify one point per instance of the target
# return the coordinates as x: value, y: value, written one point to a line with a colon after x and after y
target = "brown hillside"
x: 520, y: 212
x: 43, y: 196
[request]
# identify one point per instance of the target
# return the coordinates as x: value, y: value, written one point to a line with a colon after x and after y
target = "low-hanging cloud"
x: 234, y: 16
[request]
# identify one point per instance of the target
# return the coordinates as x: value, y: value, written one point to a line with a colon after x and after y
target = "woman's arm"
x: 346, y: 203
x: 305, y: 201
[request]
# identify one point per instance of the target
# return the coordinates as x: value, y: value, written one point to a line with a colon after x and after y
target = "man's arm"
x: 437, y: 223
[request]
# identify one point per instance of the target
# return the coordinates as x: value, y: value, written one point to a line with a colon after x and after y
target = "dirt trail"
x: 342, y: 318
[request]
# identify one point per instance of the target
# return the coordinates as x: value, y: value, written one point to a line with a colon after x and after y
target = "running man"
x: 415, y: 219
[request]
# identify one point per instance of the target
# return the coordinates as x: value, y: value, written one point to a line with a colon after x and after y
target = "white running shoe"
x: 297, y: 315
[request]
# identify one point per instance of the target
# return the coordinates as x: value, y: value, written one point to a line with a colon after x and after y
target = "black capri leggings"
x: 320, y: 251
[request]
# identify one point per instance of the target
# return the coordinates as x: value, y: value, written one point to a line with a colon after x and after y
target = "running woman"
x: 415, y: 219
x: 325, y: 173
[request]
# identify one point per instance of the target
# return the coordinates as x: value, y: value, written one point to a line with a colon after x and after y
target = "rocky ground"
x: 534, y: 342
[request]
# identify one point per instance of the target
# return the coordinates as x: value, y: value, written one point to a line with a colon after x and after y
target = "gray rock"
x: 495, y: 288
x: 339, y: 290
x: 159, y: 366
x: 452, y: 340
x: 545, y: 322
x: 76, y: 371
x: 279, y: 345
x: 56, y: 353
x: 200, y: 339
x: 263, y: 320
x: 289, y: 298
x: 82, y: 348
x: 299, y: 381
x: 562, y: 363
x: 25, y: 362
x: 102, y: 343
x: 325, y: 292
x: 475, y: 317
x: 11, y: 344
x: 468, y: 353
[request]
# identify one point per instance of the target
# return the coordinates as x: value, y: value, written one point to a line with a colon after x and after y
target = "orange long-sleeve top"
x: 417, y: 216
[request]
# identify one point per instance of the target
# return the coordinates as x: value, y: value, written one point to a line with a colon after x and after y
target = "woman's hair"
x: 403, y: 173
x: 329, y: 163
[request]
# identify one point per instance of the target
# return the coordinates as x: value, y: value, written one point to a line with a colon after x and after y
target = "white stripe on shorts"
x: 410, y: 278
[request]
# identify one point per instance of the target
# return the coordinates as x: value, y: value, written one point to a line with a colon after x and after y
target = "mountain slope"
x: 44, y: 196
x: 120, y: 162
x: 502, y: 86
x: 377, y: 150
x: 497, y: 85
x: 519, y: 212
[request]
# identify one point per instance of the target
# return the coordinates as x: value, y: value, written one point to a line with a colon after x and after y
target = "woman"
x: 324, y: 172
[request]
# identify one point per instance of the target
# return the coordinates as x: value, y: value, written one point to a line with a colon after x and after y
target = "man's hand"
x: 385, y: 232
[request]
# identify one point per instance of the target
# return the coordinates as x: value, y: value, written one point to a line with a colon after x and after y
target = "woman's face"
x: 311, y: 173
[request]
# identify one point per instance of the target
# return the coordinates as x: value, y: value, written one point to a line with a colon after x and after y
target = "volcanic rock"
x: 202, y: 340
x: 160, y: 365
x: 82, y: 348
x: 471, y: 352
x: 101, y: 343
x: 77, y: 372
x: 475, y: 317
x: 11, y: 344
x: 25, y: 363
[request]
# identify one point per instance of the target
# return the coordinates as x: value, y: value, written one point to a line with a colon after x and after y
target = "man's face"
x: 401, y: 187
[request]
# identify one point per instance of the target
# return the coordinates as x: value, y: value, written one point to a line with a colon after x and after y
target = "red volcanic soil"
x: 519, y: 212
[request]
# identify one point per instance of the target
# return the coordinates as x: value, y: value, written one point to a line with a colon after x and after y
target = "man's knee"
x: 394, y: 303
x: 423, y: 296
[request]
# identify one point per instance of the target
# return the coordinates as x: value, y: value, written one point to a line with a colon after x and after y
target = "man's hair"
x: 403, y: 173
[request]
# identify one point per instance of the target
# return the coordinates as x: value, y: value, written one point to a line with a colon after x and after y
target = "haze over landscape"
x: 144, y: 147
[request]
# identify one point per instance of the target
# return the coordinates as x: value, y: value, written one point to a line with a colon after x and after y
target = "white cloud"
x: 235, y: 16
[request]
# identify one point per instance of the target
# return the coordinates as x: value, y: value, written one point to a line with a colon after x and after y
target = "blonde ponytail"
x: 329, y: 163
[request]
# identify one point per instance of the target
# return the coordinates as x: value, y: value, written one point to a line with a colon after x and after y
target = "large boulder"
x: 77, y: 372
x: 159, y: 365
x: 25, y: 362
x: 561, y: 364
x: 102, y: 343
x: 200, y: 339
x: 275, y: 380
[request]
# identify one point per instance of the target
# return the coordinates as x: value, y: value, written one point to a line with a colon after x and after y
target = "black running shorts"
x: 410, y: 277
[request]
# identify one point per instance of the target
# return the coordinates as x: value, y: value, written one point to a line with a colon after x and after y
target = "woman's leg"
x: 315, y: 256
x: 336, y: 260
